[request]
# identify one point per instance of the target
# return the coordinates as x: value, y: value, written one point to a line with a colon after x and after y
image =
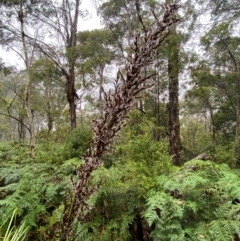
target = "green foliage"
x: 94, y: 49
x: 196, y: 202
x: 195, y: 136
x: 47, y: 91
x: 77, y: 142
x: 36, y: 189
x: 125, y: 179
x: 224, y: 122
x: 139, y: 189
x: 225, y: 9
x: 13, y: 232
x: 13, y: 152
x: 224, y: 154
x: 44, y: 192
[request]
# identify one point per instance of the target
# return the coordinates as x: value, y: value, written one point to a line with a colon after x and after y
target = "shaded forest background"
x: 172, y: 170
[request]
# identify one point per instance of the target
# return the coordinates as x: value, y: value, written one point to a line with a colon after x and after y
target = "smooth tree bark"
x: 27, y: 92
x: 17, y: 40
x: 63, y: 20
x: 57, y: 40
x: 71, y: 42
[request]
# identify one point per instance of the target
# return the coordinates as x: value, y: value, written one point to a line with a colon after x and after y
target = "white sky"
x: 92, y: 21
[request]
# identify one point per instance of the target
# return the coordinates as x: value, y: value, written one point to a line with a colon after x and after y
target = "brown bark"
x: 71, y: 42
x: 101, y: 80
x: 117, y: 104
x: 21, y: 130
x: 175, y: 146
x: 21, y: 126
x: 66, y: 27
x: 71, y: 96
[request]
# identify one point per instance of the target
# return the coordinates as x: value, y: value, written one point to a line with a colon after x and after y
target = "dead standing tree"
x: 116, y: 107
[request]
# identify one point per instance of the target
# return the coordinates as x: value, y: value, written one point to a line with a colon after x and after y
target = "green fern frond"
x: 221, y: 230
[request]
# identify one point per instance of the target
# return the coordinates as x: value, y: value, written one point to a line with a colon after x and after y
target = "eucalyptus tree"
x: 95, y: 51
x: 48, y: 91
x: 11, y: 105
x: 60, y: 20
x: 222, y: 72
x: 27, y: 91
x: 224, y: 9
x: 173, y: 70
x: 204, y: 100
x: 16, y: 25
x: 122, y: 17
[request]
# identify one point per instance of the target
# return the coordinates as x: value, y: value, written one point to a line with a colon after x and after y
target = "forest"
x: 128, y: 132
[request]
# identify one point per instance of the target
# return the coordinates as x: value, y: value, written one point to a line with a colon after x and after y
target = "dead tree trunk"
x: 116, y: 107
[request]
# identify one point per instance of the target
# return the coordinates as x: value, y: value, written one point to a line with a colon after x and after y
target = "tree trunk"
x: 101, y: 80
x: 237, y: 132
x: 67, y: 13
x: 21, y: 130
x: 117, y: 104
x: 21, y: 126
x: 173, y: 105
x: 49, y: 120
x: 236, y: 101
x: 71, y: 55
x: 27, y: 105
x: 213, y: 126
x: 71, y: 95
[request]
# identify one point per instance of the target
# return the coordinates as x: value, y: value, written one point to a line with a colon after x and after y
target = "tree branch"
x: 115, y: 109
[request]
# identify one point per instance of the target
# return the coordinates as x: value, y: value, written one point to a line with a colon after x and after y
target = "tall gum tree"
x: 48, y: 89
x: 179, y: 34
x: 15, y: 24
x: 173, y: 45
x: 95, y: 50
x: 60, y: 19
x: 224, y: 57
x: 11, y: 105
x: 27, y: 92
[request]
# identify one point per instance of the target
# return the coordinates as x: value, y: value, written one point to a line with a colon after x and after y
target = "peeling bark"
x: 117, y: 104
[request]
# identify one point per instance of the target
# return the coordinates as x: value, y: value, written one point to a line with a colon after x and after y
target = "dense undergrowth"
x: 142, y: 195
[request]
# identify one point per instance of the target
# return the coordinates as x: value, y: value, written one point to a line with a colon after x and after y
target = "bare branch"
x: 115, y: 109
